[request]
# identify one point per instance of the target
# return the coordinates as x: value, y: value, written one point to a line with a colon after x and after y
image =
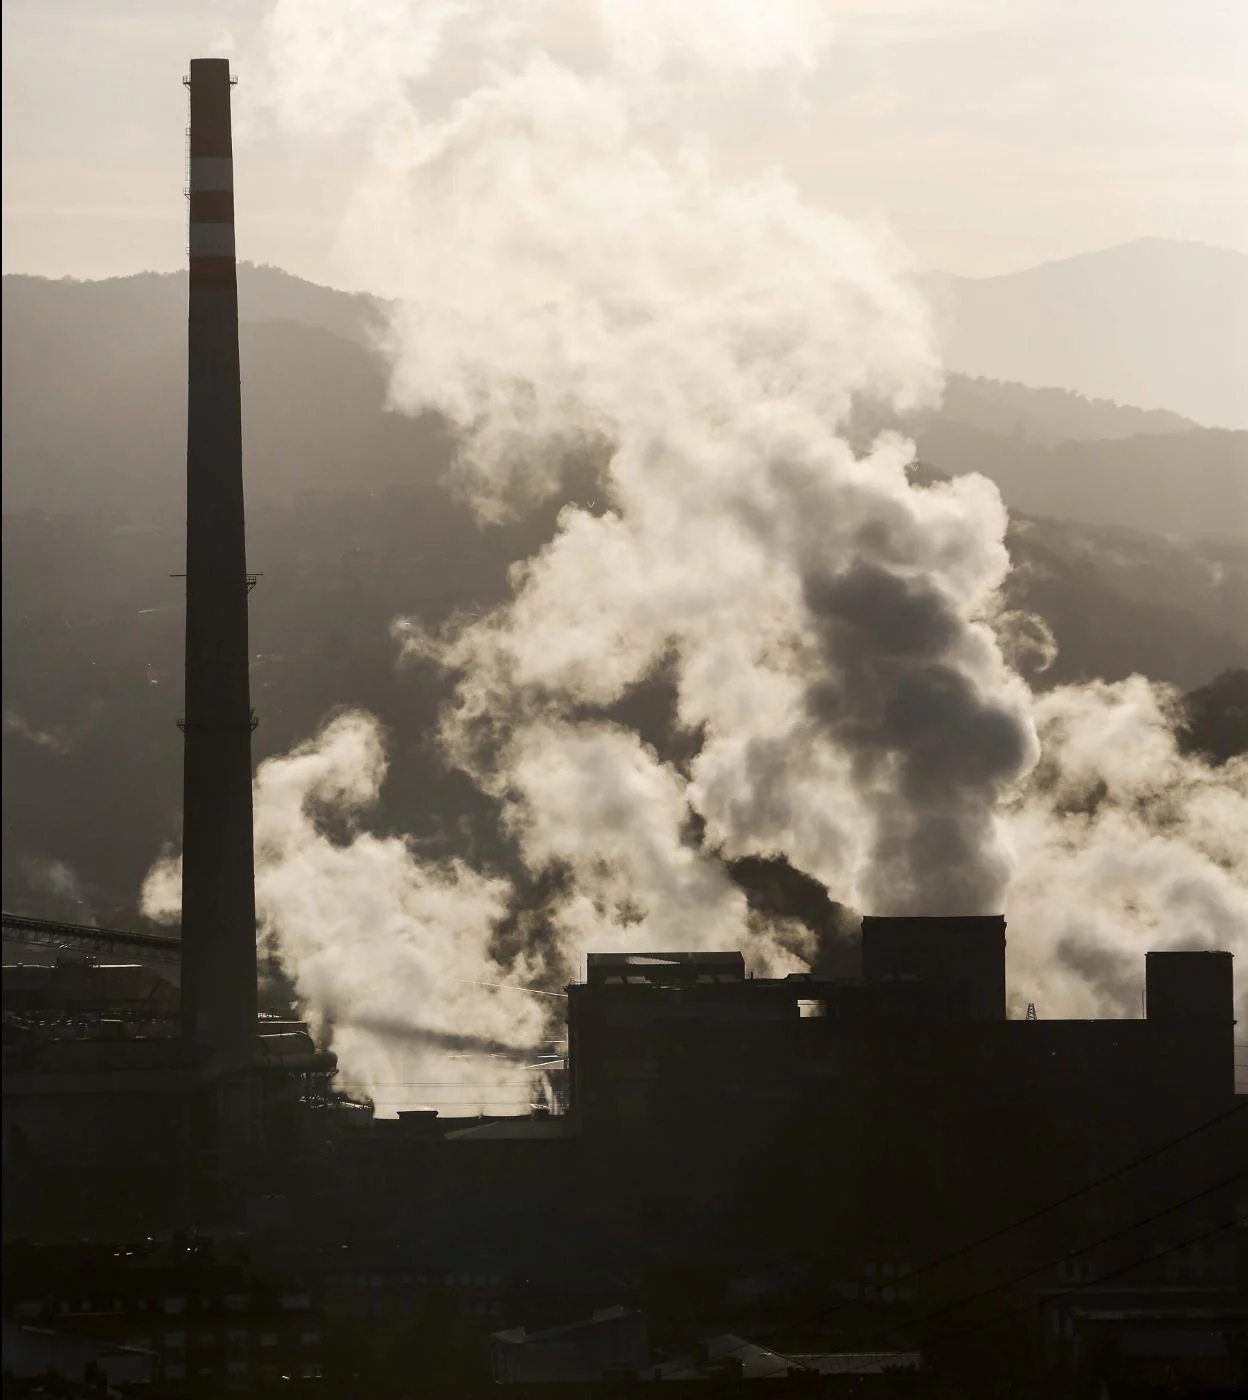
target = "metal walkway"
x: 47, y: 933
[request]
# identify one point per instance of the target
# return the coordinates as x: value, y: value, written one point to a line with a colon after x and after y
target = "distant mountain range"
x: 1129, y: 536
x: 1158, y: 323
x: 94, y: 406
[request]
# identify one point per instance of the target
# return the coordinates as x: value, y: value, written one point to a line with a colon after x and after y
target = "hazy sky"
x: 990, y: 134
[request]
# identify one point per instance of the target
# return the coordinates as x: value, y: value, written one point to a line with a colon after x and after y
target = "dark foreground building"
x: 885, y: 1163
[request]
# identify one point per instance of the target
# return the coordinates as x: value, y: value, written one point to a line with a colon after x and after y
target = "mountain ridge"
x: 1158, y: 323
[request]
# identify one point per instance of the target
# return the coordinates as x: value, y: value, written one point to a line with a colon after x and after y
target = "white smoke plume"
x: 1124, y: 844
x: 389, y: 953
x: 55, y: 881
x: 20, y: 727
x: 570, y: 274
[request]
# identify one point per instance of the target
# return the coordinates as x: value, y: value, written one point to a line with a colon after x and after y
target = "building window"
x: 236, y: 1366
x: 175, y: 1371
x: 174, y: 1305
x: 268, y: 1339
x: 175, y: 1341
x: 809, y: 1009
x: 296, y: 1302
x: 236, y: 1302
x: 1077, y: 1271
x: 310, y: 1339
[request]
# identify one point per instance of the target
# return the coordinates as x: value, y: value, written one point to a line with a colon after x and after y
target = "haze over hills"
x: 1156, y: 323
x: 350, y: 525
x: 1192, y: 484
x: 84, y: 363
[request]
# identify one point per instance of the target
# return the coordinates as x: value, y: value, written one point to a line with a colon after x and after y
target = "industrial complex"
x: 872, y: 1184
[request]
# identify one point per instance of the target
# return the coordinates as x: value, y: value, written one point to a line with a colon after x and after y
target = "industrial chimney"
x: 218, y: 876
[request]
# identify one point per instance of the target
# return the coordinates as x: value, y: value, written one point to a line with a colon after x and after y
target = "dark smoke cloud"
x: 932, y: 750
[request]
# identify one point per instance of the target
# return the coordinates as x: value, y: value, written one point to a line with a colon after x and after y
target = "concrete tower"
x: 218, y: 876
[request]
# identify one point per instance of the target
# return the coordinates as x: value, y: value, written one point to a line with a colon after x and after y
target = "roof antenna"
x: 1031, y: 1010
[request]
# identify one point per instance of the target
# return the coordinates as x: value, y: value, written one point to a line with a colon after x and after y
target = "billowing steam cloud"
x: 570, y: 276
x: 1124, y: 844
x: 389, y: 953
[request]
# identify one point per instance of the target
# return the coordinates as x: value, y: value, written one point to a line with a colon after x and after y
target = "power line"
x: 505, y: 987
x: 1039, y: 1214
x: 1074, y: 1195
x: 1093, y: 1283
x: 1058, y: 1259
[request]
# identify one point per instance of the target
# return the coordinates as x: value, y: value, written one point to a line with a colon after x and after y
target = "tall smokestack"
x: 218, y: 876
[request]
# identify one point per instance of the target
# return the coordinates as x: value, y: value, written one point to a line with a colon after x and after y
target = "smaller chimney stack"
x: 960, y: 959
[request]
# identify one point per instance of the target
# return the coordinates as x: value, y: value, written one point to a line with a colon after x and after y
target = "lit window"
x: 809, y: 1009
